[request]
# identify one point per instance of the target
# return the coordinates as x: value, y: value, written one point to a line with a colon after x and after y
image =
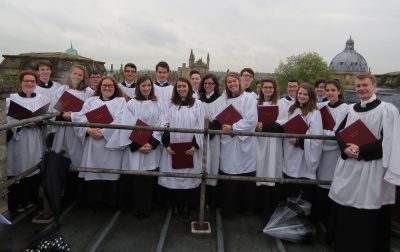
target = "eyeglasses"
x: 209, y: 83
x: 107, y: 86
x: 29, y: 81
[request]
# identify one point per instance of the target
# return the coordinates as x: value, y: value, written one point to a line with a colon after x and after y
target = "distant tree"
x: 305, y: 67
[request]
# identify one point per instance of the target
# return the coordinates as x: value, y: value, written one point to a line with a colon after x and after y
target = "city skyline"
x: 257, y: 34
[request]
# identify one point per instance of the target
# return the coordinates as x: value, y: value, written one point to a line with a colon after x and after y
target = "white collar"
x: 209, y: 95
x: 371, y: 99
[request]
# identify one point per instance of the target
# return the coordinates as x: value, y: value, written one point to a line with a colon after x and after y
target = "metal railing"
x: 203, y: 175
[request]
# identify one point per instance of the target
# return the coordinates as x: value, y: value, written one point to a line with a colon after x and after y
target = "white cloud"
x: 237, y: 34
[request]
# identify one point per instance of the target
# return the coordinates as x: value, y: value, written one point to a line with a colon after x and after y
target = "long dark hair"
x: 274, y: 97
x: 310, y: 106
x: 138, y: 94
x: 176, y: 98
x: 202, y: 91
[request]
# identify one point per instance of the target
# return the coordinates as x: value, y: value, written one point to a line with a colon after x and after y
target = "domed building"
x: 348, y: 63
x: 349, y: 60
x: 71, y: 51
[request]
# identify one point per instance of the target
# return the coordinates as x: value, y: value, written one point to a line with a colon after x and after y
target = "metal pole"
x: 28, y: 121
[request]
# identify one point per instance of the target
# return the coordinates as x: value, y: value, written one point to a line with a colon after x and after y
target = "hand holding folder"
x: 228, y: 116
x: 19, y: 112
x: 180, y: 159
x: 295, y: 125
x: 267, y: 114
x: 356, y: 133
x: 68, y: 102
x: 100, y: 115
x: 328, y: 123
x: 141, y: 137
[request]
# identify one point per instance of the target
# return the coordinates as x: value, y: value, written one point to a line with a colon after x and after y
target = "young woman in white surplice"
x: 363, y: 185
x: 101, y: 188
x: 137, y: 191
x: 24, y: 144
x: 238, y: 153
x: 302, y: 156
x: 65, y: 138
x: 208, y: 94
x: 184, y: 112
x: 269, y: 152
x: 330, y: 150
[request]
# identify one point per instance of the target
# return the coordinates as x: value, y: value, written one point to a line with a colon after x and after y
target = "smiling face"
x: 129, y: 74
x: 320, y: 90
x: 162, y: 74
x: 107, y: 89
x: 209, y: 85
x: 28, y: 84
x: 195, y: 81
x: 365, y: 88
x: 233, y: 85
x: 292, y: 88
x: 332, y: 93
x: 268, y: 90
x: 145, y: 88
x: 246, y: 78
x: 77, y: 76
x: 183, y: 89
x: 44, y: 73
x: 302, y: 96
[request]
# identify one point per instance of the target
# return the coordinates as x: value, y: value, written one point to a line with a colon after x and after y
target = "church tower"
x: 191, y: 58
x: 208, y: 60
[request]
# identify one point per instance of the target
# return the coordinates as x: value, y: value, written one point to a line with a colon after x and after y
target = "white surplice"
x: 269, y: 156
x: 189, y: 118
x: 360, y: 183
x: 95, y: 153
x: 238, y: 153
x: 150, y: 113
x: 66, y: 137
x: 25, y: 149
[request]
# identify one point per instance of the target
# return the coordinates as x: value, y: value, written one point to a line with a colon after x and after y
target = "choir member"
x: 330, y: 151
x: 362, y: 186
x: 128, y: 85
x: 195, y: 79
x: 137, y: 191
x: 269, y: 152
x: 21, y: 155
x: 65, y: 138
x: 208, y: 94
x: 238, y: 153
x: 184, y: 111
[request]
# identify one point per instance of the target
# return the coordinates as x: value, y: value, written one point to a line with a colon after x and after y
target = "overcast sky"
x: 237, y: 34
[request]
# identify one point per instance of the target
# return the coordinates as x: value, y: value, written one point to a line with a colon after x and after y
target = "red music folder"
x: 180, y: 160
x: 267, y: 114
x: 296, y: 125
x: 228, y: 116
x: 19, y: 112
x: 328, y: 123
x: 357, y: 133
x: 141, y: 137
x: 68, y: 102
x: 100, y: 115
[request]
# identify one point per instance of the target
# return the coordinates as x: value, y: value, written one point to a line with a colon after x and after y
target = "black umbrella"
x: 53, y: 170
x: 288, y: 222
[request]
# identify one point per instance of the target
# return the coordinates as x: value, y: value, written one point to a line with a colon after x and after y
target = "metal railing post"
x: 201, y: 226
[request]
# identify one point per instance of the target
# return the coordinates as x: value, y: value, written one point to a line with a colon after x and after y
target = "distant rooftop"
x: 349, y: 60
